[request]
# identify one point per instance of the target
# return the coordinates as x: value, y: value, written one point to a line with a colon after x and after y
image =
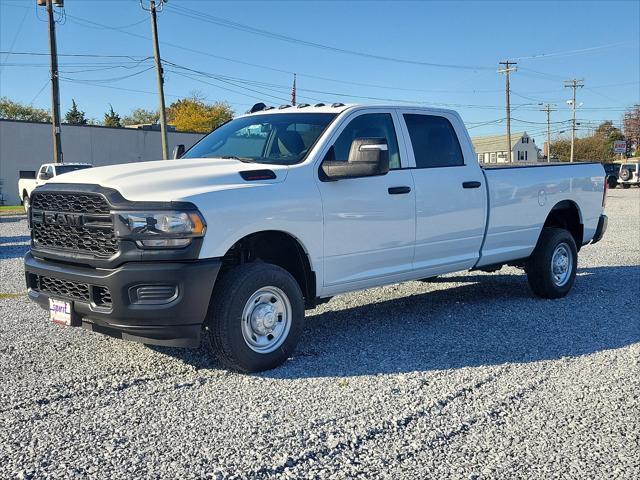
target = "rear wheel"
x: 256, y: 317
x: 551, y: 269
x: 626, y: 185
x: 26, y: 203
x: 612, y: 181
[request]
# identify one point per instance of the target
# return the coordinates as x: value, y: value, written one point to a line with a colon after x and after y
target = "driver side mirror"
x: 368, y: 157
x: 178, y: 151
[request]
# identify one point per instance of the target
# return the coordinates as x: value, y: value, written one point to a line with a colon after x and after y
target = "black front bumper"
x: 600, y: 229
x: 176, y: 321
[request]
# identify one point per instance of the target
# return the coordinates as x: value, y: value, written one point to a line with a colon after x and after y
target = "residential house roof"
x: 495, y: 143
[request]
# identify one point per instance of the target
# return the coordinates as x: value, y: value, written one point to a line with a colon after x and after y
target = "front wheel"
x: 256, y: 317
x: 551, y: 269
x: 26, y: 203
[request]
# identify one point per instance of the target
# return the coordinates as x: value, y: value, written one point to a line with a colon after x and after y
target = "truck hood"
x: 172, y: 180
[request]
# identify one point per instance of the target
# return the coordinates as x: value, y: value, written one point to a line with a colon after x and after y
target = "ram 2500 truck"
x: 280, y: 209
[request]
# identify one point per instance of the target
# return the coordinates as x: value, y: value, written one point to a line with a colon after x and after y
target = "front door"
x: 369, y: 223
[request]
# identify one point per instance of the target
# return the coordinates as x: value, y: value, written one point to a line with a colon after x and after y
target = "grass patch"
x: 11, y: 210
x: 5, y: 296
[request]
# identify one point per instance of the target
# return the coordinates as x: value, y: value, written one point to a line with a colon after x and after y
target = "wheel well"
x: 24, y: 194
x: 566, y: 215
x: 278, y: 248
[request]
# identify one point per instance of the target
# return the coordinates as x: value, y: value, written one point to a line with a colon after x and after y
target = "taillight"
x: 604, y: 194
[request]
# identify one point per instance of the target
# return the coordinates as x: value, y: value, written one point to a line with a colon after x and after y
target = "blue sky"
x: 552, y: 41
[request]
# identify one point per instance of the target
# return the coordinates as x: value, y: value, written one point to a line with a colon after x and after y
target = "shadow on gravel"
x: 12, y: 218
x: 489, y: 320
x: 8, y: 249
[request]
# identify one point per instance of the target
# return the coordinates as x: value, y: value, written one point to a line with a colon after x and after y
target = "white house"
x: 493, y: 149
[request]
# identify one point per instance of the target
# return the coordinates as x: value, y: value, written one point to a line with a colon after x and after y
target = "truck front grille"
x: 73, y: 222
x: 60, y: 288
x: 70, y: 290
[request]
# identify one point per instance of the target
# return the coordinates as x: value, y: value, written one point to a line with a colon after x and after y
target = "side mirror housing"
x: 368, y: 157
x: 178, y: 151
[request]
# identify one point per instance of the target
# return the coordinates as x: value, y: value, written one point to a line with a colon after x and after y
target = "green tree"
x: 11, y: 110
x: 140, y: 115
x: 194, y: 114
x: 597, y: 147
x: 74, y: 115
x: 111, y: 118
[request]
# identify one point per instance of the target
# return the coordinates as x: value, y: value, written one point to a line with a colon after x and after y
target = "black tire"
x: 626, y: 185
x: 223, y: 334
x: 612, y: 181
x: 540, y: 272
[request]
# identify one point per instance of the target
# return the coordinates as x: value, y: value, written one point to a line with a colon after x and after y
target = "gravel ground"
x: 468, y: 376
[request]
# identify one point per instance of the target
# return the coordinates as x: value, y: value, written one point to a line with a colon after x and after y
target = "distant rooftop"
x: 495, y: 143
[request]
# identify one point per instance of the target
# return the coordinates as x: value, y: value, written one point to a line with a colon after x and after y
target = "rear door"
x: 369, y: 223
x: 450, y: 190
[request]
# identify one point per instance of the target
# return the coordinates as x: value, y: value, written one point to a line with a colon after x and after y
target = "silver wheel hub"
x: 561, y: 264
x: 266, y: 319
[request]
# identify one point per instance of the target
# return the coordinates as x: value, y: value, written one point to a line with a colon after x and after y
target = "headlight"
x: 160, y: 229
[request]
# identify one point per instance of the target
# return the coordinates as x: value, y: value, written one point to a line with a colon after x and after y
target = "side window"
x: 42, y: 173
x: 371, y: 125
x: 434, y: 141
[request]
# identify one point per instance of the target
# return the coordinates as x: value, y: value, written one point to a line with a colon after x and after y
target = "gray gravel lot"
x: 468, y: 376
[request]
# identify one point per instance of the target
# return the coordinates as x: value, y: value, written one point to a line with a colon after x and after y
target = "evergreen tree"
x: 75, y: 116
x: 111, y: 118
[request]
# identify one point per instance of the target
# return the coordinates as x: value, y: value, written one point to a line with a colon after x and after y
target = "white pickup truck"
x: 279, y: 210
x: 30, y: 180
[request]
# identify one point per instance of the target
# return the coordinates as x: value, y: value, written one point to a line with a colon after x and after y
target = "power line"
x: 223, y: 22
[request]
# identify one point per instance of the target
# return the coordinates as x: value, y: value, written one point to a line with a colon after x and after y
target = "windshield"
x: 60, y: 169
x: 278, y: 138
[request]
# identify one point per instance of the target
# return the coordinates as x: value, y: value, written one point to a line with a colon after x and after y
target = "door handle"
x: 471, y: 184
x: 399, y: 190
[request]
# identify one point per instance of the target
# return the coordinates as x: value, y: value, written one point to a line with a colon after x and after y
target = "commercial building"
x: 26, y: 145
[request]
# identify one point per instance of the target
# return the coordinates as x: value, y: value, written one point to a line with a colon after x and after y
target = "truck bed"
x: 520, y: 197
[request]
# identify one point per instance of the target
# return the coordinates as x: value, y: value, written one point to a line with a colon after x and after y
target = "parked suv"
x: 629, y: 175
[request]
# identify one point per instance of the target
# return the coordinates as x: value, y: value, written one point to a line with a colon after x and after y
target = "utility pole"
x: 547, y: 108
x: 573, y: 84
x: 507, y: 70
x: 55, y: 85
x: 159, y: 73
x: 293, y: 91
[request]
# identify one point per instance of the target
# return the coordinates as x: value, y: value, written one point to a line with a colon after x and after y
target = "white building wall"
x: 530, y: 148
x: 26, y: 145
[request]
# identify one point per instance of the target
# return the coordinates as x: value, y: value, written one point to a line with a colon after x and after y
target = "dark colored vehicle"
x: 611, y: 170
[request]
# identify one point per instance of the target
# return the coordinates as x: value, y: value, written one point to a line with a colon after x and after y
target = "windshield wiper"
x: 242, y: 159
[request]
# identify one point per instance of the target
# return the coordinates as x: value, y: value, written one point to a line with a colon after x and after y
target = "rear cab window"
x: 434, y: 141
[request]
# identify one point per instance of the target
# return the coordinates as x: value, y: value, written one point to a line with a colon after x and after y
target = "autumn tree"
x: 631, y: 125
x: 74, y: 115
x: 141, y: 116
x: 11, y: 110
x: 111, y: 118
x: 194, y: 114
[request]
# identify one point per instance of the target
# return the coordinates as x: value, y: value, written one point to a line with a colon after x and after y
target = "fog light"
x: 153, y: 294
